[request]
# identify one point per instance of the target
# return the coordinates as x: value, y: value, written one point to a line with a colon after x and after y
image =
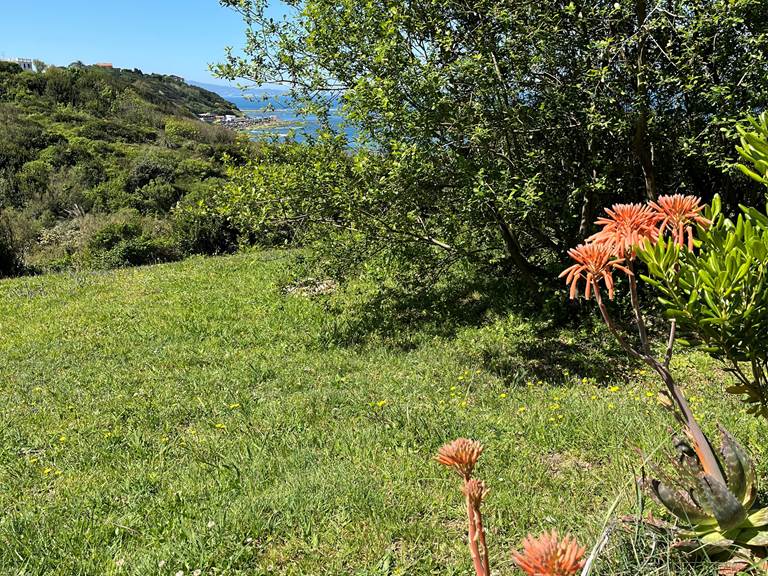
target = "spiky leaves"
x: 724, y: 506
x: 739, y: 470
x: 715, y: 508
x: 678, y: 501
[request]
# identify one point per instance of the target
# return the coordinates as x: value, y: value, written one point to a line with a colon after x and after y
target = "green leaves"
x: 719, y: 294
x: 754, y: 148
x: 543, y: 99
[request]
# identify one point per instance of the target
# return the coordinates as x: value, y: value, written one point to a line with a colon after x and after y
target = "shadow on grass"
x: 520, y: 333
x: 558, y: 355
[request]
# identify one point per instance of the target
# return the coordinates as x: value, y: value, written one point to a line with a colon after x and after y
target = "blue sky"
x: 165, y: 36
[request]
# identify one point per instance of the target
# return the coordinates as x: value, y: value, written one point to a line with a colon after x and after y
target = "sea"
x: 299, y: 127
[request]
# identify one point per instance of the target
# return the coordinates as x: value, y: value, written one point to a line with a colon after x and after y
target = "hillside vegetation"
x: 93, y: 162
x: 214, y: 415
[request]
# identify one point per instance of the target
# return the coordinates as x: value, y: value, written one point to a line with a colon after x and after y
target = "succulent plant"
x: 716, y: 504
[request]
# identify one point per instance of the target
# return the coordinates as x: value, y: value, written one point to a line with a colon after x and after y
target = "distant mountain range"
x: 233, y: 92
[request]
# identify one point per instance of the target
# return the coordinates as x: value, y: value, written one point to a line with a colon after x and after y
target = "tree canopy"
x: 499, y: 127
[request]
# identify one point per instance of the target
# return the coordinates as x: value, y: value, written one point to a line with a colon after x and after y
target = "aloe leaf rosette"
x: 715, y: 505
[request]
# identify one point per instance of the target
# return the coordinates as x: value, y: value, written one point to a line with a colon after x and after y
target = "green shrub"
x: 113, y: 131
x: 155, y: 197
x: 150, y: 166
x: 201, y: 229
x: 34, y: 177
x: 128, y: 239
x: 11, y: 259
x: 197, y: 169
x: 180, y: 129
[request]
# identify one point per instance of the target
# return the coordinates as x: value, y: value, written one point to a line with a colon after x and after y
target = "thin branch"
x: 612, y: 326
x: 670, y: 344
x: 639, y: 320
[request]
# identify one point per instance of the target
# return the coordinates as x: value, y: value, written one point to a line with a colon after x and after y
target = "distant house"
x: 104, y: 64
x: 207, y: 117
x: 25, y: 63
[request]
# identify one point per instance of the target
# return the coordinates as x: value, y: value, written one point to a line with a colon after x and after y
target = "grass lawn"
x: 196, y: 417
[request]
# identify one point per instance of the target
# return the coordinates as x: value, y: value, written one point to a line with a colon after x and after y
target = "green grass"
x: 194, y: 416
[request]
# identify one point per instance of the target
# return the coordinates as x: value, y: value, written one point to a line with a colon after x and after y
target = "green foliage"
x: 10, y: 68
x: 754, y: 148
x: 503, y: 127
x: 718, y: 294
x: 285, y: 193
x: 149, y: 167
x: 113, y: 131
x: 178, y: 129
x: 11, y: 251
x: 78, y: 144
x: 200, y: 227
x: 127, y: 239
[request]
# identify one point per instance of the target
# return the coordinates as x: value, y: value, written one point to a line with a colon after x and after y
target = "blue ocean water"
x: 300, y: 127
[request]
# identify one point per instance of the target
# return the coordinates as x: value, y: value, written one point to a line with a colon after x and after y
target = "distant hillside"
x: 170, y: 93
x: 95, y: 161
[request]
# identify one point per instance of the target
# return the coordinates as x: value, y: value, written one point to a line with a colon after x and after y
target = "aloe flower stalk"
x: 626, y: 227
x: 594, y: 262
x: 462, y: 455
x: 712, y: 494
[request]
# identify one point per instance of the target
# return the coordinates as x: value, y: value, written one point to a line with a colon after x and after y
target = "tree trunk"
x: 586, y: 204
x: 640, y: 143
x: 514, y: 251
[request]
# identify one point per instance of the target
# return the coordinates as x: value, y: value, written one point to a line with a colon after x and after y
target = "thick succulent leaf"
x: 753, y: 537
x: 758, y: 518
x: 739, y: 469
x: 716, y: 538
x: 677, y: 502
x: 686, y: 454
x: 734, y: 470
x: 725, y: 506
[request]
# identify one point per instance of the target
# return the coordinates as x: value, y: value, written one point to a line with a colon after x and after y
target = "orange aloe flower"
x: 594, y: 262
x: 475, y: 491
x: 627, y: 226
x: 679, y: 214
x: 548, y: 555
x: 461, y: 455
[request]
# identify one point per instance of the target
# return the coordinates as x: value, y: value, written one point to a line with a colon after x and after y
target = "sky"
x: 162, y: 36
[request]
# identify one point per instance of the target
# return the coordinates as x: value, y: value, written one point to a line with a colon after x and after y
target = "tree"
x: 501, y: 126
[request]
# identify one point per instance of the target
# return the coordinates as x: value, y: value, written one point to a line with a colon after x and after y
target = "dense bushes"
x: 201, y: 227
x: 11, y: 253
x: 112, y: 131
x: 91, y: 169
x: 128, y: 239
x: 102, y: 241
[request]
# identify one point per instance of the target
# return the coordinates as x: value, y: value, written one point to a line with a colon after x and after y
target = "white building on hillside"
x: 25, y: 63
